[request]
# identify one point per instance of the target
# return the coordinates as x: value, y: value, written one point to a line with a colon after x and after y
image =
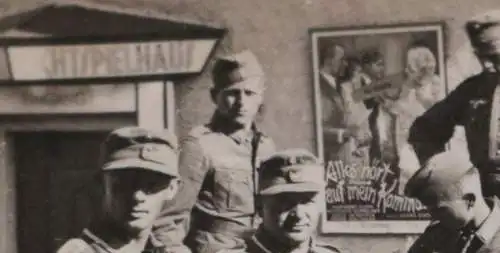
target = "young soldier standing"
x: 218, y: 164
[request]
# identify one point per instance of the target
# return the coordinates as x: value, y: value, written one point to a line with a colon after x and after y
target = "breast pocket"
x: 234, y: 190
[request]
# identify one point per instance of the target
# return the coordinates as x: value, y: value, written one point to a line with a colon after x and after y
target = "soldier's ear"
x: 470, y: 199
x: 258, y: 206
x: 173, y: 188
x: 213, y: 94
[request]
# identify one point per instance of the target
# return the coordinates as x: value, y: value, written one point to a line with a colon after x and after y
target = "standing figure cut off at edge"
x: 474, y: 104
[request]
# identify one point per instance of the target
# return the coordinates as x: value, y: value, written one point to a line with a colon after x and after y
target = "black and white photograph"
x: 370, y: 84
x: 208, y: 126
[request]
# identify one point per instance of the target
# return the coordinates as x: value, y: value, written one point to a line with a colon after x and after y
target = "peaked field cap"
x: 291, y: 170
x: 484, y: 32
x: 236, y: 68
x: 438, y: 174
x: 141, y: 148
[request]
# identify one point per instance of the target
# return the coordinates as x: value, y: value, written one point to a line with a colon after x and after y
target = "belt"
x: 212, y: 224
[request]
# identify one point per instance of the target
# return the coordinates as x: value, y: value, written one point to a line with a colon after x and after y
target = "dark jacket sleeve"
x: 172, y: 225
x: 431, y: 240
x: 431, y: 131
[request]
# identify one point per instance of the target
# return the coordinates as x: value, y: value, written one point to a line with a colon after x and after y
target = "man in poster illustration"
x: 374, y: 188
x: 382, y: 123
x: 356, y: 114
x: 474, y: 104
x: 332, y: 64
x: 218, y: 163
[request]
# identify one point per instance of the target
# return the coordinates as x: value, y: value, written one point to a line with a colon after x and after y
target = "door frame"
x: 155, y: 108
x: 8, y: 201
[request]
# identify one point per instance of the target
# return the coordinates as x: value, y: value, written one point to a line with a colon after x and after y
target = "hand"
x: 358, y: 152
x: 351, y: 132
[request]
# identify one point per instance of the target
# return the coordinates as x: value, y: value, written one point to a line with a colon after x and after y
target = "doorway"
x: 57, y: 189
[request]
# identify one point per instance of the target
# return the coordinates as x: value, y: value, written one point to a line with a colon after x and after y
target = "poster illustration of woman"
x: 371, y: 83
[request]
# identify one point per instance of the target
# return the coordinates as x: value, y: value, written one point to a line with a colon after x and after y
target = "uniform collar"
x: 94, y: 239
x: 151, y: 243
x: 492, y: 223
x: 266, y: 244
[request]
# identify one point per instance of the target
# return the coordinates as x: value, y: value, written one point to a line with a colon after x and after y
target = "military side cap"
x: 140, y: 148
x: 292, y: 170
x: 484, y: 32
x: 438, y: 174
x: 237, y: 69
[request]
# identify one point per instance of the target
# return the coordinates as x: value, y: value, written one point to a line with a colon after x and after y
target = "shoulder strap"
x: 255, y: 147
x: 94, y: 242
x: 75, y: 245
x: 255, y: 174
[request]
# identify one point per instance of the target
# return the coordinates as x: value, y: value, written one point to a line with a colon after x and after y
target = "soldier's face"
x: 291, y: 217
x: 453, y: 214
x: 240, y: 103
x: 134, y: 198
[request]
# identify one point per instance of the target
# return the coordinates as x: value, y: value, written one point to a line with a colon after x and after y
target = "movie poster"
x: 370, y: 84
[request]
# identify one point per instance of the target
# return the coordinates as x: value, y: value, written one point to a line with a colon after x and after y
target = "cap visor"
x: 136, y: 163
x: 297, y: 187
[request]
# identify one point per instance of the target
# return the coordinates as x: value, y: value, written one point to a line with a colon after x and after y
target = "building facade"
x: 54, y: 111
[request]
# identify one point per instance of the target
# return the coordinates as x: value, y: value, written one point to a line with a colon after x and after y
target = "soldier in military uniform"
x: 139, y: 173
x: 474, y: 104
x: 218, y: 164
x: 463, y: 219
x: 291, y: 184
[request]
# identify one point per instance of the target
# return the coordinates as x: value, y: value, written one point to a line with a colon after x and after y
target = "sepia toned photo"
x: 370, y: 85
x: 207, y: 126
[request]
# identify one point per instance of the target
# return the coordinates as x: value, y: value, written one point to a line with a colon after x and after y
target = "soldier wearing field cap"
x: 139, y: 173
x: 218, y: 163
x: 474, y: 104
x: 291, y: 184
x: 463, y: 219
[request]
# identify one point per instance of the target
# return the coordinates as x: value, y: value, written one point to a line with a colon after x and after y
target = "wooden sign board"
x: 107, y: 60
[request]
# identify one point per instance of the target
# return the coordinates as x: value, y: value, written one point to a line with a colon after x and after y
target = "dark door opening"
x: 57, y: 191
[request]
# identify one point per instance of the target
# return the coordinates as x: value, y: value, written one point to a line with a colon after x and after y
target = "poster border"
x: 368, y: 227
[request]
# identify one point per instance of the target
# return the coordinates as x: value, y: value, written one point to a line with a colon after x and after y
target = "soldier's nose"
x: 139, y: 195
x: 299, y: 211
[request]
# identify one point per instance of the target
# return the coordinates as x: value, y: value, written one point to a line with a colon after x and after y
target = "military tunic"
x: 218, y: 186
x: 469, y: 105
x: 486, y: 239
x: 89, y: 242
x: 263, y: 243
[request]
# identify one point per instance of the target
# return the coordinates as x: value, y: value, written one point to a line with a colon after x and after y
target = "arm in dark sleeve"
x: 431, y: 131
x: 172, y: 225
x: 370, y: 103
x: 431, y: 240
